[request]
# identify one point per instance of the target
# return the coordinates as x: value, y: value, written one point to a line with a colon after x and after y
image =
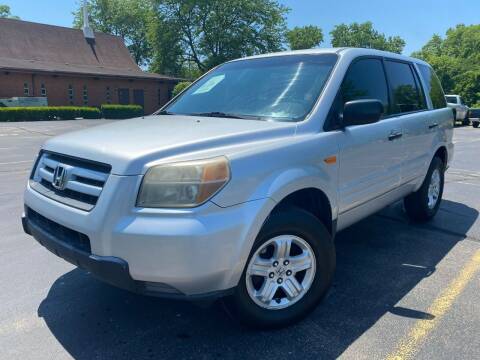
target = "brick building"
x: 74, y: 67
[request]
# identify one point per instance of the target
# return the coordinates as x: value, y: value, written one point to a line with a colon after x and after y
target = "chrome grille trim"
x: 81, y: 186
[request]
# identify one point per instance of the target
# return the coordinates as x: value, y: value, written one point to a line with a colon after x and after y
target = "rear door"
x: 370, y: 155
x: 408, y: 105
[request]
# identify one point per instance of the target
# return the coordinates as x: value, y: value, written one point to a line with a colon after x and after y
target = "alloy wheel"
x: 434, y: 189
x: 280, y: 272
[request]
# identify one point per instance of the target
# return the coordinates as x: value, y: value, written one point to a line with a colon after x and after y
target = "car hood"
x: 129, y: 145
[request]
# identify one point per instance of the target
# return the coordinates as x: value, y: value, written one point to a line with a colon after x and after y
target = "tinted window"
x: 365, y: 80
x: 406, y: 96
x: 421, y: 90
x: 283, y: 88
x: 434, y: 88
x: 451, y: 99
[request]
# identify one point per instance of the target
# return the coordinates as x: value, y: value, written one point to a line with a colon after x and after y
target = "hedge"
x: 8, y: 114
x: 11, y: 114
x: 121, y: 111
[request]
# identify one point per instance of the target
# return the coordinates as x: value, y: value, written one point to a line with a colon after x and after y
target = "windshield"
x: 451, y: 99
x: 282, y: 88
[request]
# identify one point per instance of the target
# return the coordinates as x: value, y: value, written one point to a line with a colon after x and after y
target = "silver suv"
x: 237, y: 187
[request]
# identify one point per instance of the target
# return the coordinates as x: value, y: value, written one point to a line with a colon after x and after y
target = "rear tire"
x: 423, y: 204
x: 288, y: 303
x: 475, y: 124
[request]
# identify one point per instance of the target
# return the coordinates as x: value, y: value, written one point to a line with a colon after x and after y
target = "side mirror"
x: 362, y: 112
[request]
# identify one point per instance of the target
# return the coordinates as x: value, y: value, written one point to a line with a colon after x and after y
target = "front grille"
x: 67, y: 193
x: 67, y: 236
x: 78, y: 184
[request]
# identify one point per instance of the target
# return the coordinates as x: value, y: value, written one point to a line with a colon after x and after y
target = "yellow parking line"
x: 407, y: 348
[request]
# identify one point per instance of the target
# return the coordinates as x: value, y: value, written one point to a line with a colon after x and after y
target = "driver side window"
x: 365, y: 79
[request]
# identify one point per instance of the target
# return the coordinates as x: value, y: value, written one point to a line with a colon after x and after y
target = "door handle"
x: 395, y: 135
x: 432, y: 126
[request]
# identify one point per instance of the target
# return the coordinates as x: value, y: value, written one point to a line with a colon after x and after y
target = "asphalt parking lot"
x: 401, y: 290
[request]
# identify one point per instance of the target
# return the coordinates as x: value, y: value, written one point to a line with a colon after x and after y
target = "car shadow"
x: 379, y: 260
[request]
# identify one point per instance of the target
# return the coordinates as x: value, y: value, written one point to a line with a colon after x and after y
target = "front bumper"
x: 109, y: 269
x: 196, y: 253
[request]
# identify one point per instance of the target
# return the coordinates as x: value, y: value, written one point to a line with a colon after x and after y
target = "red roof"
x: 59, y: 50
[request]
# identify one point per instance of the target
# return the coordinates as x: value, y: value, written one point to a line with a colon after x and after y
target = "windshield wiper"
x: 165, y: 112
x: 218, y: 114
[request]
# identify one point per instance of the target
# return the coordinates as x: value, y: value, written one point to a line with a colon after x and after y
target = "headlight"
x: 183, y: 184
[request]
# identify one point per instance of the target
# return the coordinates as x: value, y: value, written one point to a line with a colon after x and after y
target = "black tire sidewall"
x: 300, y: 223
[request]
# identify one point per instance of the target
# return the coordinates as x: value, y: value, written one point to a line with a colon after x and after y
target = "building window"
x: 85, y: 95
x: 70, y: 94
x: 26, y: 89
x: 139, y: 97
x: 43, y: 90
x: 108, y: 95
x: 124, y: 96
x: 159, y: 95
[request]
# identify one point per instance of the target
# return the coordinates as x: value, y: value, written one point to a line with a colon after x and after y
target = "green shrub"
x: 121, y: 111
x: 180, y: 87
x: 8, y: 114
x: 46, y: 113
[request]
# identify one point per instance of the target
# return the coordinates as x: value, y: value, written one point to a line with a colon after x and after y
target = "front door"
x: 371, y: 155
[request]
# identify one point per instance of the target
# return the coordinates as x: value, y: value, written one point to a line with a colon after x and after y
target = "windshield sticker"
x: 210, y: 84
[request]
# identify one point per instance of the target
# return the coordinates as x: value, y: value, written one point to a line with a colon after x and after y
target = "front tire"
x: 289, y: 271
x: 475, y: 124
x: 423, y: 204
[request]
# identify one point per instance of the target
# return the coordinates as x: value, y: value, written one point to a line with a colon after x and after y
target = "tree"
x: 434, y: 45
x: 365, y: 36
x: 456, y: 60
x: 306, y: 37
x: 210, y: 32
x: 180, y: 87
x: 128, y: 19
x: 5, y: 12
x: 167, y: 54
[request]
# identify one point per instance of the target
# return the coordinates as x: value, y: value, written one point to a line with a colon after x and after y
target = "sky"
x: 414, y: 20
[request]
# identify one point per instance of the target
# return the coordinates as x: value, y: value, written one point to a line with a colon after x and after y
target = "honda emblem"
x: 59, y: 177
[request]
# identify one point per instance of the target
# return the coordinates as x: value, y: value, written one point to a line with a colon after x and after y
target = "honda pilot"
x: 237, y: 187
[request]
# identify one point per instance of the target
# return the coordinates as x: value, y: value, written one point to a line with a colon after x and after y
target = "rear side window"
x: 406, y: 96
x: 433, y: 86
x: 451, y: 99
x: 365, y: 79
